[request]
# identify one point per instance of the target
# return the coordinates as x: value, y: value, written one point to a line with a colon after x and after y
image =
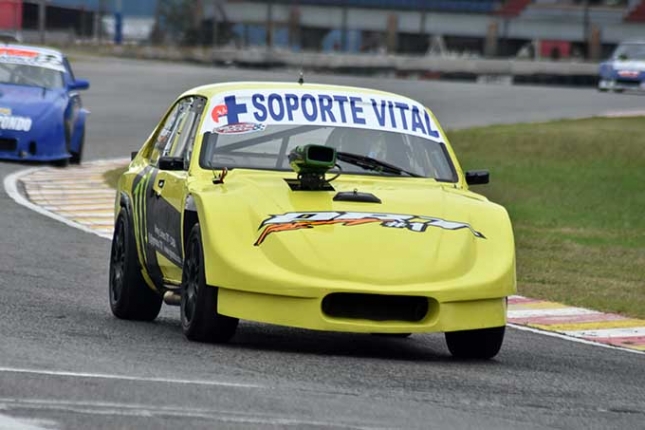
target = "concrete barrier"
x: 420, y: 67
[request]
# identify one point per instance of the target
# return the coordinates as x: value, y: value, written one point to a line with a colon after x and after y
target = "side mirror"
x: 79, y: 84
x: 171, y: 163
x: 477, y: 177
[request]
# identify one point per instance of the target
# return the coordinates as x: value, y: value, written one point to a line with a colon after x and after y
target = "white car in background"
x: 625, y: 70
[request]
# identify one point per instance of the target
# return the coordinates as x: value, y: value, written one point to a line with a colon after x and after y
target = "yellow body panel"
x: 462, y: 258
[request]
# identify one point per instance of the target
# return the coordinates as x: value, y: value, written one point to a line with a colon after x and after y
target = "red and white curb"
x: 79, y: 197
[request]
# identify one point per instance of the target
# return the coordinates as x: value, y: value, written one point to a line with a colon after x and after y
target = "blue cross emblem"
x: 233, y: 109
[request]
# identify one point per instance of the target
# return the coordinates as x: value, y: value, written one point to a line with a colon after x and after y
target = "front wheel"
x: 479, y: 344
x: 78, y: 155
x: 200, y: 320
x: 130, y: 296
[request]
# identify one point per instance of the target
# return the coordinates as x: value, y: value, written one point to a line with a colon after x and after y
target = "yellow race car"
x: 314, y: 206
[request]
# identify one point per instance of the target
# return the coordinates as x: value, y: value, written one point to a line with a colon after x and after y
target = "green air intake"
x: 312, y: 159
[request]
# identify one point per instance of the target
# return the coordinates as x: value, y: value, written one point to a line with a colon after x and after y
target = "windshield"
x: 21, y: 74
x: 269, y: 148
x: 630, y: 51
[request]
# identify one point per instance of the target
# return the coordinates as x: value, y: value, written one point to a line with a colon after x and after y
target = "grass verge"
x: 574, y: 191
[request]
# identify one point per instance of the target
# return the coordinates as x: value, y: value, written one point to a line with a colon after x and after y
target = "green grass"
x: 574, y: 191
x: 111, y: 177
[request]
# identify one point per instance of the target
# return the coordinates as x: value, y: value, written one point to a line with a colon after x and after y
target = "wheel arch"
x: 190, y: 218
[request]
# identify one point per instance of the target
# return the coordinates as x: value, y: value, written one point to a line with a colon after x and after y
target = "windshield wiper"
x: 369, y: 163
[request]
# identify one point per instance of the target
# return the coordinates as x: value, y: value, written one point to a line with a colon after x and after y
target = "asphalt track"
x: 65, y: 362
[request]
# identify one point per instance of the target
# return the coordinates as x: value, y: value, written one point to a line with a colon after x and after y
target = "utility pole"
x: 215, y: 23
x: 343, y: 30
x: 42, y: 10
x: 118, y: 22
x: 270, y: 25
x: 585, y: 28
x: 198, y: 17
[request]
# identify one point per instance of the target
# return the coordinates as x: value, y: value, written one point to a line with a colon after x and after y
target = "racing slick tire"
x: 130, y: 296
x: 200, y: 320
x: 77, y: 156
x: 479, y: 344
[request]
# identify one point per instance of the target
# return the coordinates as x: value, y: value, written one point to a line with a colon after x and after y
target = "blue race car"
x: 625, y: 70
x: 41, y: 114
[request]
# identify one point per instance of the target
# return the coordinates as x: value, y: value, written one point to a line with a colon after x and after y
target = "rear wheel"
x: 200, y: 320
x: 479, y: 344
x: 130, y: 296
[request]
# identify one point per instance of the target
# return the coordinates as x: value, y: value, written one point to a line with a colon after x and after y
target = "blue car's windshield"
x: 28, y: 75
x: 630, y: 51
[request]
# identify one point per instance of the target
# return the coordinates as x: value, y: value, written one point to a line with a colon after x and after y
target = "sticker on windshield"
x: 240, y: 128
x: 318, y: 107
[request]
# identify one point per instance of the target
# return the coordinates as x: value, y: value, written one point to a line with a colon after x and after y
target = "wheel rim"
x: 117, y: 263
x: 193, y: 267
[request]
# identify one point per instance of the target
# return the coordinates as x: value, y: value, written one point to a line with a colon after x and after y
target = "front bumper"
x: 621, y: 84
x: 24, y: 148
x: 308, y: 313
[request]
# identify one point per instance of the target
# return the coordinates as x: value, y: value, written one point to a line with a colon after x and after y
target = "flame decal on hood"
x: 300, y: 220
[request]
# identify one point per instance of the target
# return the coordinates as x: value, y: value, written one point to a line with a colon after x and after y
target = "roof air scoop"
x: 311, y: 163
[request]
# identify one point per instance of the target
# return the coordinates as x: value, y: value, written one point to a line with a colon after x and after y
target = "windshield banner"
x: 29, y: 57
x: 319, y: 107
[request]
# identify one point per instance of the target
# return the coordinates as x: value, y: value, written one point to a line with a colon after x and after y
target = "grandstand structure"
x: 538, y: 28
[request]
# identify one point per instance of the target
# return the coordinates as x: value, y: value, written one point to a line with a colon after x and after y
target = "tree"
x: 179, y: 21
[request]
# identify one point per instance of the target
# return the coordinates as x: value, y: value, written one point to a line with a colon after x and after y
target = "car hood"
x: 32, y: 102
x: 421, y: 231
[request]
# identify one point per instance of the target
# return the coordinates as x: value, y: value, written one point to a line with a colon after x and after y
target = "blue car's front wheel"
x: 78, y: 154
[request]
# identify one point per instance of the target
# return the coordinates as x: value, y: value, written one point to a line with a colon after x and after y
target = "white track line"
x: 8, y: 423
x: 575, y: 339
x: 128, y: 378
x: 11, y: 187
x: 149, y: 411
x: 608, y: 332
x: 557, y: 312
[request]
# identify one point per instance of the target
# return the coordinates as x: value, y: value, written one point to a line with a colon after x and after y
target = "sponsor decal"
x: 15, y: 123
x: 218, y: 111
x: 5, y: 111
x: 628, y: 73
x: 301, y: 220
x: 30, y: 58
x: 240, y: 128
x: 317, y: 107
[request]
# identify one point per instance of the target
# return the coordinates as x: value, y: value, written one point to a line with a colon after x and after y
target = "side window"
x: 183, y: 147
x: 169, y: 131
x: 69, y: 69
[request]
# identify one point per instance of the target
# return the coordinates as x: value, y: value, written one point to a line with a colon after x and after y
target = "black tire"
x: 63, y: 162
x: 130, y: 297
x: 200, y: 320
x: 78, y: 156
x: 479, y: 344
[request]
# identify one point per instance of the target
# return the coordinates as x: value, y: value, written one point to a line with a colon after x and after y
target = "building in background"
x: 556, y: 29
